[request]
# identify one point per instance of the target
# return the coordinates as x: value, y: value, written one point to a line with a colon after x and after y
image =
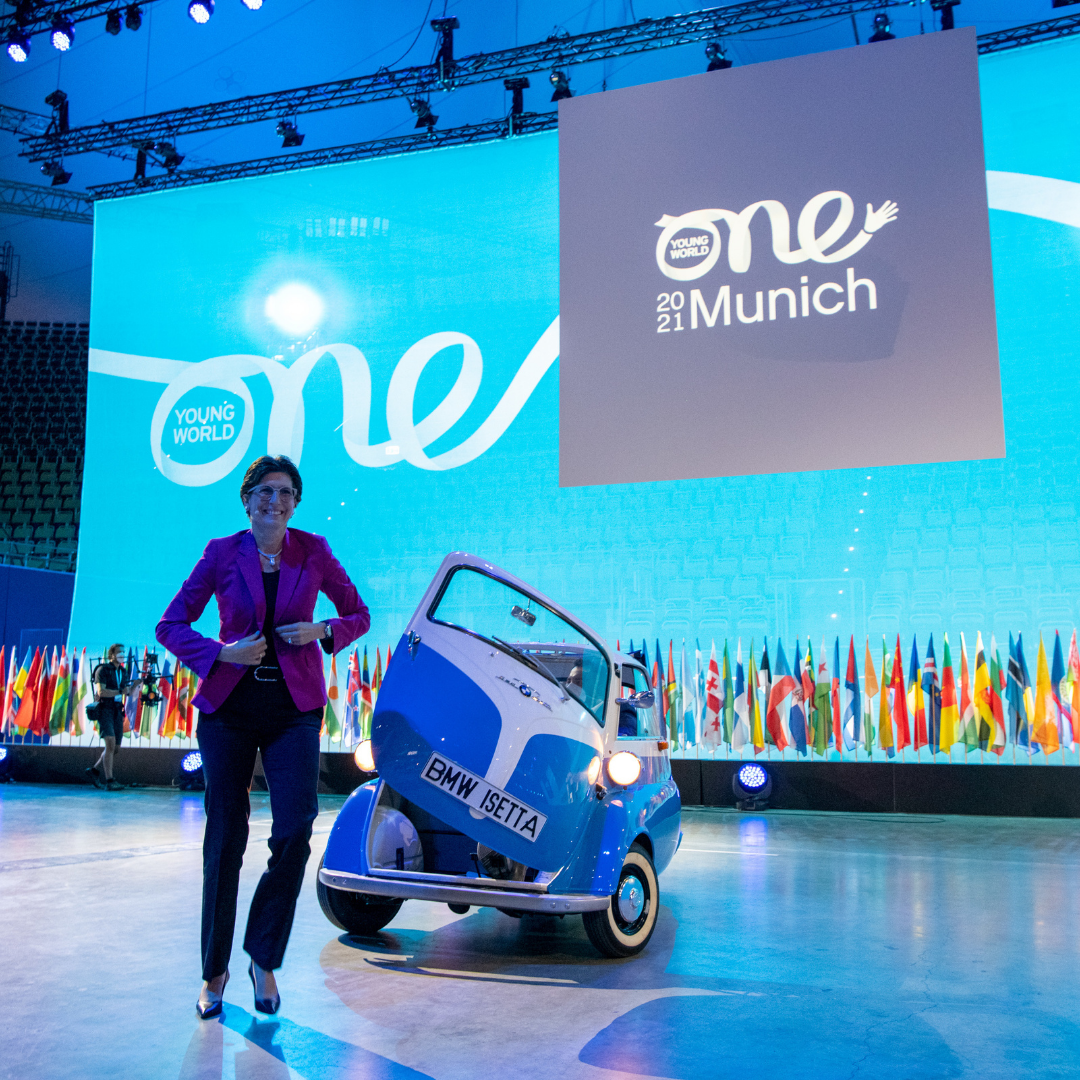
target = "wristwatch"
x: 328, y: 630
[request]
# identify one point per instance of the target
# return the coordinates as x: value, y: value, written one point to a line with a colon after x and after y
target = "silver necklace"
x: 269, y: 558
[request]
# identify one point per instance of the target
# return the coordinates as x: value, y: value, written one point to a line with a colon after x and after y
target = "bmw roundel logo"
x: 526, y: 691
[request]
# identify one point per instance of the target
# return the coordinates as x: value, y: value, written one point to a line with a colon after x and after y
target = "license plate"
x: 475, y: 792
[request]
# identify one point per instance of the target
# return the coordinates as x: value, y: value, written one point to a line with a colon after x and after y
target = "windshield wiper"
x: 529, y: 661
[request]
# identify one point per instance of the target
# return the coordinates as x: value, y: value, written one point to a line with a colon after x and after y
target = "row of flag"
x: 48, y: 696
x: 812, y: 708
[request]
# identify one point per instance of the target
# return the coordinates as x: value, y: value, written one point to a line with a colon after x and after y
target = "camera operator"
x: 109, y: 679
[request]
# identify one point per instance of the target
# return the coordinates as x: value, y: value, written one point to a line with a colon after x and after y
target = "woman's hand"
x: 300, y: 633
x: 248, y: 650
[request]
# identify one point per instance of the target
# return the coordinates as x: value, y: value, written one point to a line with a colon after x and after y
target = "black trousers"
x: 229, y: 740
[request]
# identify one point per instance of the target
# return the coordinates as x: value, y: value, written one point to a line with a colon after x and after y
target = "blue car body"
x: 514, y: 771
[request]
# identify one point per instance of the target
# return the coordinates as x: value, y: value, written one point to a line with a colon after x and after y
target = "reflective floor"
x: 789, y: 945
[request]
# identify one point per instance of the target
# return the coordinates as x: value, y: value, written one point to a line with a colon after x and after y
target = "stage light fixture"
x: 62, y: 33
x: 18, y: 47
x: 294, y: 308
x: 945, y: 9
x: 717, y: 60
x: 7, y: 765
x: 56, y: 170
x: 289, y: 135
x: 561, y: 81
x: 882, y: 28
x: 191, y: 776
x: 58, y: 101
x: 252, y: 5
x: 424, y: 116
x: 113, y: 22
x: 169, y: 157
x: 363, y: 757
x: 133, y: 17
x: 25, y: 12
x: 751, y: 786
x: 201, y: 10
x: 517, y: 87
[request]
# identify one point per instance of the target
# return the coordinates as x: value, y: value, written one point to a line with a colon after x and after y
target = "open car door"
x: 490, y: 713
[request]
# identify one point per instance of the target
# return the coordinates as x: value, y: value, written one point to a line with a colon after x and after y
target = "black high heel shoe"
x: 263, y: 1005
x: 212, y: 1007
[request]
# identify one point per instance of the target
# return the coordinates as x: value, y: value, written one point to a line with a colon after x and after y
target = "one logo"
x: 221, y: 382
x: 695, y: 235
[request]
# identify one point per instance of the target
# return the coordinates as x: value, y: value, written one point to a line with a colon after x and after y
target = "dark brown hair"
x: 265, y: 465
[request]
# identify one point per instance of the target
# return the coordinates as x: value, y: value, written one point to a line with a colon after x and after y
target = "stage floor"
x: 790, y: 945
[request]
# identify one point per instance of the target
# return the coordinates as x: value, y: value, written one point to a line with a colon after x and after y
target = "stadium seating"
x: 42, y: 438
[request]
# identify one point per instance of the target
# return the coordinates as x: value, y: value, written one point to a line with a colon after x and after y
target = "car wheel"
x: 356, y: 913
x: 624, y: 927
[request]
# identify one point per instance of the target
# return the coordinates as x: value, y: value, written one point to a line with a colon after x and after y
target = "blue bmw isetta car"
x: 520, y: 765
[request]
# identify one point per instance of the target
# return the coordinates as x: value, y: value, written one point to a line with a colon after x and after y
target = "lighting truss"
x: 1031, y: 34
x: 523, y: 124
x: 23, y: 123
x: 32, y: 200
x: 44, y: 11
x: 556, y: 52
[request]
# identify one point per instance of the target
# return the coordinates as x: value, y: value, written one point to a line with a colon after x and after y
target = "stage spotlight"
x: 289, y: 135
x: 113, y: 23
x: 58, y: 101
x: 190, y: 776
x: 252, y: 5
x: 517, y: 87
x: 133, y: 17
x: 56, y: 170
x: 751, y: 786
x: 363, y: 757
x: 424, y: 116
x: 7, y: 765
x: 945, y: 7
x: 169, y: 157
x: 882, y: 28
x: 62, y: 33
x: 717, y: 60
x: 201, y: 10
x: 18, y: 47
x: 294, y: 308
x: 561, y: 81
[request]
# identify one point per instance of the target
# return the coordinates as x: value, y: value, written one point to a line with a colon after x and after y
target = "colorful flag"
x: 714, y: 703
x: 28, y: 692
x: 658, y: 689
x: 870, y: 680
x: 331, y: 716
x: 1057, y: 677
x: 1044, y: 724
x: 778, y: 709
x: 808, y: 690
x: 757, y: 728
x: 901, y: 727
x: 671, y: 699
x: 1073, y: 680
x: 365, y: 700
x: 764, y: 684
x: 61, y: 690
x: 915, y: 703
x: 852, y: 700
x: 932, y: 691
x: 950, y: 711
x: 10, y: 702
x: 834, y: 700
x: 797, y: 715
x: 886, y: 735
x: 740, y: 735
x: 997, y: 685
x: 823, y: 707
x: 969, y: 721
x: 1028, y: 686
x: 729, y: 698
x: 376, y: 680
x: 983, y: 707
x: 350, y: 732
x: 1015, y: 695
x: 23, y: 675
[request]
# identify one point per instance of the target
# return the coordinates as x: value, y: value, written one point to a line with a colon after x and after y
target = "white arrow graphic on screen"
x: 285, y: 428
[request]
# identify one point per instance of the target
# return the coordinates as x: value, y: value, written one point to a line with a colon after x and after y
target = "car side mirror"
x: 645, y: 700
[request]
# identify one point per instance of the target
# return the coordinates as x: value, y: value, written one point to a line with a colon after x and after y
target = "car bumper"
x: 473, y: 895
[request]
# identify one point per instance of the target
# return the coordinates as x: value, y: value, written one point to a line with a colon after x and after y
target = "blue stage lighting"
x: 18, y: 47
x: 201, y: 10
x: 751, y: 786
x: 190, y: 777
x: 62, y: 33
x: 7, y: 764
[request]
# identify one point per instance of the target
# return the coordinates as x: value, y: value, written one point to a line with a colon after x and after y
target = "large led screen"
x: 409, y: 363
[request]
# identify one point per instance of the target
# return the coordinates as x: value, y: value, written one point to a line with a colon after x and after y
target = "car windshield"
x: 520, y: 625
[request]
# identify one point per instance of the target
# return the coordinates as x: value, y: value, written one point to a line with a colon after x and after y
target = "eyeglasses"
x: 266, y: 493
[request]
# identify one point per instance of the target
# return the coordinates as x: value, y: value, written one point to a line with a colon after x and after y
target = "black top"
x: 112, y: 678
x: 261, y: 694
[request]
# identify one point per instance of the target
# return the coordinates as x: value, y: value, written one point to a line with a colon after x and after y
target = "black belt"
x: 273, y: 673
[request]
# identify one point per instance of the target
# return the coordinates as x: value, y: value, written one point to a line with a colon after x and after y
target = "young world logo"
x: 694, y: 234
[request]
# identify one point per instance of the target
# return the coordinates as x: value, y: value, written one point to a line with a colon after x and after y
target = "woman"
x: 263, y: 689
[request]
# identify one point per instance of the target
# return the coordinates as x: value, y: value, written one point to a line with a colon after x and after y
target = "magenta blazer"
x: 230, y: 570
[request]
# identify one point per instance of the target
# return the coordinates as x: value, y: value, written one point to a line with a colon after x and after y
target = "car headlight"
x: 365, y: 762
x: 623, y: 768
x: 593, y: 773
